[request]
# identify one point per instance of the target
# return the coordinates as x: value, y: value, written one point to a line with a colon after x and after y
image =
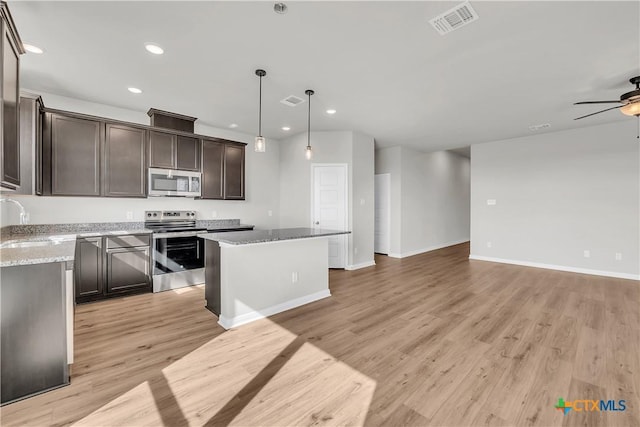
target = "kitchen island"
x: 254, y: 274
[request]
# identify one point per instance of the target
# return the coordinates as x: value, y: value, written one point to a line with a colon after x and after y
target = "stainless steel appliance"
x: 178, y: 254
x: 177, y: 183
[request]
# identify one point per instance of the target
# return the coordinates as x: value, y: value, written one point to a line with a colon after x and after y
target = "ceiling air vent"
x: 534, y: 128
x: 455, y: 18
x: 292, y: 101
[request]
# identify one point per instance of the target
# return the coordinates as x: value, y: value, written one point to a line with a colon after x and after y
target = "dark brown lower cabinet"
x: 88, y: 268
x: 127, y: 269
x: 112, y: 266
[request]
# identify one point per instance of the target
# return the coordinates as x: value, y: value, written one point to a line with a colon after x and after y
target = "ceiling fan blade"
x: 596, y: 102
x: 598, y: 112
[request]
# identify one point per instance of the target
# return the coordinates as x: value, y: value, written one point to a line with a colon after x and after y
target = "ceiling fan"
x: 629, y: 102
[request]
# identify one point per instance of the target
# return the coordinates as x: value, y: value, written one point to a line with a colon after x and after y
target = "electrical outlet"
x: 587, y: 253
x: 355, y: 251
x: 214, y: 214
x: 270, y: 212
x: 489, y: 244
x: 129, y: 215
x: 491, y: 202
x: 361, y: 202
x: 618, y: 256
x: 294, y: 277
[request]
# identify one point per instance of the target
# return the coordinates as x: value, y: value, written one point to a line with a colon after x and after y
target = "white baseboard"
x: 360, y: 265
x: 242, y: 319
x: 428, y: 249
x: 615, y: 274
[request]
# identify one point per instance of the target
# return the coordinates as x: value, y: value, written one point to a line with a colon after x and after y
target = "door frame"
x: 387, y: 177
x: 345, y: 167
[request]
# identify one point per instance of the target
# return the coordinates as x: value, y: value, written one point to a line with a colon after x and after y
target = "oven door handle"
x: 169, y: 235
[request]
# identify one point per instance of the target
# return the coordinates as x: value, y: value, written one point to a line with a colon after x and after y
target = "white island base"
x: 247, y: 282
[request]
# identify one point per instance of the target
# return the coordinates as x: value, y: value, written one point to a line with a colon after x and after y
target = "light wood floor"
x: 434, y: 339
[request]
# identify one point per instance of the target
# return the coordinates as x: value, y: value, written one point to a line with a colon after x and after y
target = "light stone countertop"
x: 53, y: 251
x: 42, y: 248
x: 44, y: 243
x: 274, y: 235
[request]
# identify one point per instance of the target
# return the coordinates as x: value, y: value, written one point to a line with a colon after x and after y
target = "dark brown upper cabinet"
x: 84, y: 155
x: 173, y: 121
x: 75, y: 155
x: 11, y: 49
x: 124, y: 161
x: 222, y: 170
x: 212, y: 169
x: 170, y: 151
x: 162, y: 150
x: 188, y: 153
x: 234, y: 171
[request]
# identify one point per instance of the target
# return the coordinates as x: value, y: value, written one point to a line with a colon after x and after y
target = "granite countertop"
x: 263, y: 236
x: 43, y: 243
x: 43, y: 252
x: 53, y: 243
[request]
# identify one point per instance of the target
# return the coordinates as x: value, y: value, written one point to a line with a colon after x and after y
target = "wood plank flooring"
x: 433, y: 339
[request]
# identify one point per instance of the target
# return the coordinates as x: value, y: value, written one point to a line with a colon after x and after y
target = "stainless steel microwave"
x: 176, y: 183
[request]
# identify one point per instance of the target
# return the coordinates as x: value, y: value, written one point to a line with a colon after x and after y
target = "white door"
x: 329, y: 210
x: 382, y: 239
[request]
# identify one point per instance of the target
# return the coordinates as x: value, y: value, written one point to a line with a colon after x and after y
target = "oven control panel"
x: 169, y: 215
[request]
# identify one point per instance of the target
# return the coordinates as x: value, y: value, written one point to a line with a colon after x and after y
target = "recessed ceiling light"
x: 286, y: 128
x: 233, y: 125
x: 331, y: 111
x: 31, y: 48
x: 154, y: 48
x: 134, y: 90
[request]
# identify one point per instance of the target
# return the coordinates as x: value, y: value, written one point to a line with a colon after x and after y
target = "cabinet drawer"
x: 128, y: 241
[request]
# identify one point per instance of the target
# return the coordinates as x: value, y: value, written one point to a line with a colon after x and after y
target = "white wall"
x: 355, y: 150
x: 362, y: 215
x: 558, y: 194
x: 262, y: 184
x: 435, y: 200
x: 429, y: 199
x: 388, y: 160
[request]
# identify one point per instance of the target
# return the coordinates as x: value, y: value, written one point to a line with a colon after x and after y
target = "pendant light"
x: 260, y: 144
x: 308, y: 152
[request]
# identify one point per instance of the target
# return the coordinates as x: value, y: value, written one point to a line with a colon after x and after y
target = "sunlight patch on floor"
x: 138, y: 404
x: 255, y: 374
x: 184, y: 290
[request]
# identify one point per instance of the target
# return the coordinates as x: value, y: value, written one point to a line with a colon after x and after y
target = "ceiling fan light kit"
x: 630, y: 103
x: 631, y: 109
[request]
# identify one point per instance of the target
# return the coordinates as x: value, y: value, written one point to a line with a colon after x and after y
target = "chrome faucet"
x: 23, y: 213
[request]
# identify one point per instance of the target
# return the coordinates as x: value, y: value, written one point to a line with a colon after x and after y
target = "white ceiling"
x: 380, y: 64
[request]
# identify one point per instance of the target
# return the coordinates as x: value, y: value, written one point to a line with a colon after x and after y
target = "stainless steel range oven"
x: 178, y: 254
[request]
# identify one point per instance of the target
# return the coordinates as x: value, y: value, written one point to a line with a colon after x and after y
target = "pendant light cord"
x: 260, y: 110
x: 309, y: 123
